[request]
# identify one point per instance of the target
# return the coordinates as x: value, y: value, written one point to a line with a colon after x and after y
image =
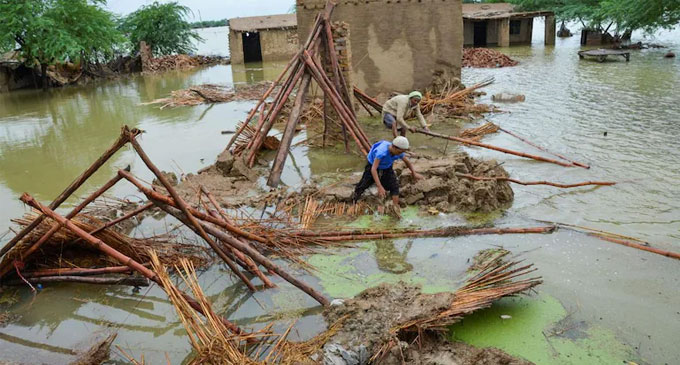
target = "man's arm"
x: 408, y: 163
x: 401, y: 110
x: 376, y: 178
x: 421, y: 119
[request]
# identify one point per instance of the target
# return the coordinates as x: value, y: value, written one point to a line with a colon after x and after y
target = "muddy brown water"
x: 46, y: 139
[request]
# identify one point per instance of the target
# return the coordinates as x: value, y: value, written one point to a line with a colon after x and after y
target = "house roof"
x: 497, y: 11
x: 254, y: 23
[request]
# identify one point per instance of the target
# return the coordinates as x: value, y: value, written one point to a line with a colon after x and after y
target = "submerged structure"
x: 263, y: 38
x: 396, y: 45
x: 500, y: 25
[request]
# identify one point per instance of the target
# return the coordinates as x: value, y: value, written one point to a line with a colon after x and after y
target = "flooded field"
x: 600, y: 303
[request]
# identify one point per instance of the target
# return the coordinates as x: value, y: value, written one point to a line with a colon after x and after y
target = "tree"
x: 620, y: 17
x: 163, y: 27
x: 47, y: 32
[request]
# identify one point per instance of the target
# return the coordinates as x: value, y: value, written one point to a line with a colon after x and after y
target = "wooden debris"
x: 558, y: 185
x: 486, y: 58
x: 210, y: 93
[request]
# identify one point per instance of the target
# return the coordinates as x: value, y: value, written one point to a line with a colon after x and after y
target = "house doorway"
x: 480, y: 33
x: 252, y: 50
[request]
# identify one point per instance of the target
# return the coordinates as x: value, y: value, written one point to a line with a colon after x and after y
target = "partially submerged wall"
x: 396, y: 45
x: 276, y: 45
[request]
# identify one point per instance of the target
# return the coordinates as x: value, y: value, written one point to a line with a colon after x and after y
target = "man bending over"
x: 379, y: 169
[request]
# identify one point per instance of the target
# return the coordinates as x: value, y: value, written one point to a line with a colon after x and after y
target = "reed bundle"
x: 452, y: 98
x: 494, y: 280
x: 215, y: 344
x: 210, y: 93
x: 477, y: 133
x: 64, y: 240
x: 486, y: 58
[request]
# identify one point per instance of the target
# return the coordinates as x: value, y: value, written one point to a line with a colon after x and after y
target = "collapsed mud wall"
x: 396, y: 45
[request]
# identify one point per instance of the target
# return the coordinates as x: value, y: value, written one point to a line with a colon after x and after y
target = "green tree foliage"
x: 210, y: 23
x: 620, y: 17
x: 47, y: 32
x: 163, y: 27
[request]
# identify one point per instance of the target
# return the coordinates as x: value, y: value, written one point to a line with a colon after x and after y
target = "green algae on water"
x: 530, y: 333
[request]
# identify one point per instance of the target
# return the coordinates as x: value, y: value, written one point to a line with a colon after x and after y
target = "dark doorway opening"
x: 480, y: 34
x: 252, y: 50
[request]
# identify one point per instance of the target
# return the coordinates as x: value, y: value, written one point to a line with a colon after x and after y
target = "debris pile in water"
x: 210, y: 93
x: 486, y: 58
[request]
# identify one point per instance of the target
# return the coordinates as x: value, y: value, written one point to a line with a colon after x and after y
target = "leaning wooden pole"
x: 488, y: 146
x: 360, y: 236
x: 289, y: 132
x: 564, y: 186
x: 185, y: 209
x: 124, y: 138
x: 544, y: 149
x: 56, y: 227
x: 123, y: 259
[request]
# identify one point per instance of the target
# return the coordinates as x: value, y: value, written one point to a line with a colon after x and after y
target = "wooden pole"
x: 77, y: 271
x: 251, y: 266
x: 371, y: 101
x: 56, y: 227
x: 673, y: 255
x: 108, y: 250
x: 124, y: 137
x: 564, y: 186
x: 544, y: 149
x: 488, y: 146
x: 433, y: 233
x: 254, y: 254
x: 124, y: 217
x: 289, y: 132
x: 260, y: 102
x: 129, y: 280
x: 335, y: 102
x: 185, y: 209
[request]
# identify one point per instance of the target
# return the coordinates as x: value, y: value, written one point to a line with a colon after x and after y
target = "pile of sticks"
x: 486, y: 58
x: 301, y: 69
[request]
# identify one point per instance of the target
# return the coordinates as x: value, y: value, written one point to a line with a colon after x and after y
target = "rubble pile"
x: 486, y: 58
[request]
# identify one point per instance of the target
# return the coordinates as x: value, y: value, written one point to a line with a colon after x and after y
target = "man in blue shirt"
x: 379, y: 170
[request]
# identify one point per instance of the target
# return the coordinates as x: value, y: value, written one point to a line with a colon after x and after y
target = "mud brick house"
x: 396, y: 45
x: 263, y: 38
x: 498, y: 24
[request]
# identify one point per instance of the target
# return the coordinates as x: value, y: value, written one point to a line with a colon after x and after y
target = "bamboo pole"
x: 351, y: 117
x: 251, y: 266
x: 436, y: 233
x: 154, y: 195
x: 289, y: 132
x: 260, y: 102
x: 124, y: 138
x: 488, y: 146
x: 673, y: 255
x: 254, y: 254
x: 56, y: 227
x: 131, y: 281
x: 337, y: 104
x: 564, y: 186
x: 77, y: 271
x: 185, y: 209
x: 447, y: 232
x: 108, y: 250
x: 359, y: 94
x: 122, y: 218
x: 544, y: 149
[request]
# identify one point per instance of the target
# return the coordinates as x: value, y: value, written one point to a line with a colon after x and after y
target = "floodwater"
x: 625, y: 295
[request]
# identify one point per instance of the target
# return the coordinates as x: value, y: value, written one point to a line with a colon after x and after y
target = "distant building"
x: 396, y: 45
x: 498, y: 24
x: 263, y: 38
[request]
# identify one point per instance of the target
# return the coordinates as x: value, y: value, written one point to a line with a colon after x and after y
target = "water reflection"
x: 390, y: 259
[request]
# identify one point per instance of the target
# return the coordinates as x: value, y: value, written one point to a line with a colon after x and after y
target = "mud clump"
x: 443, y: 188
x: 368, y: 320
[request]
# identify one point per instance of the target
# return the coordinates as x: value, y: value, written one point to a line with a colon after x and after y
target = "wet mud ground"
x: 600, y: 302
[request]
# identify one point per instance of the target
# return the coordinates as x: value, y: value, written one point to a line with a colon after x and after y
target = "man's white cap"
x: 401, y: 142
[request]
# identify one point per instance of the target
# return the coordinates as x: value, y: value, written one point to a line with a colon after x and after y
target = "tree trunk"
x: 43, y: 69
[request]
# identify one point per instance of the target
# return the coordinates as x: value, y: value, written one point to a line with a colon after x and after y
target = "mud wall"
x: 278, y: 44
x: 235, y: 47
x: 396, y: 45
x: 524, y: 36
